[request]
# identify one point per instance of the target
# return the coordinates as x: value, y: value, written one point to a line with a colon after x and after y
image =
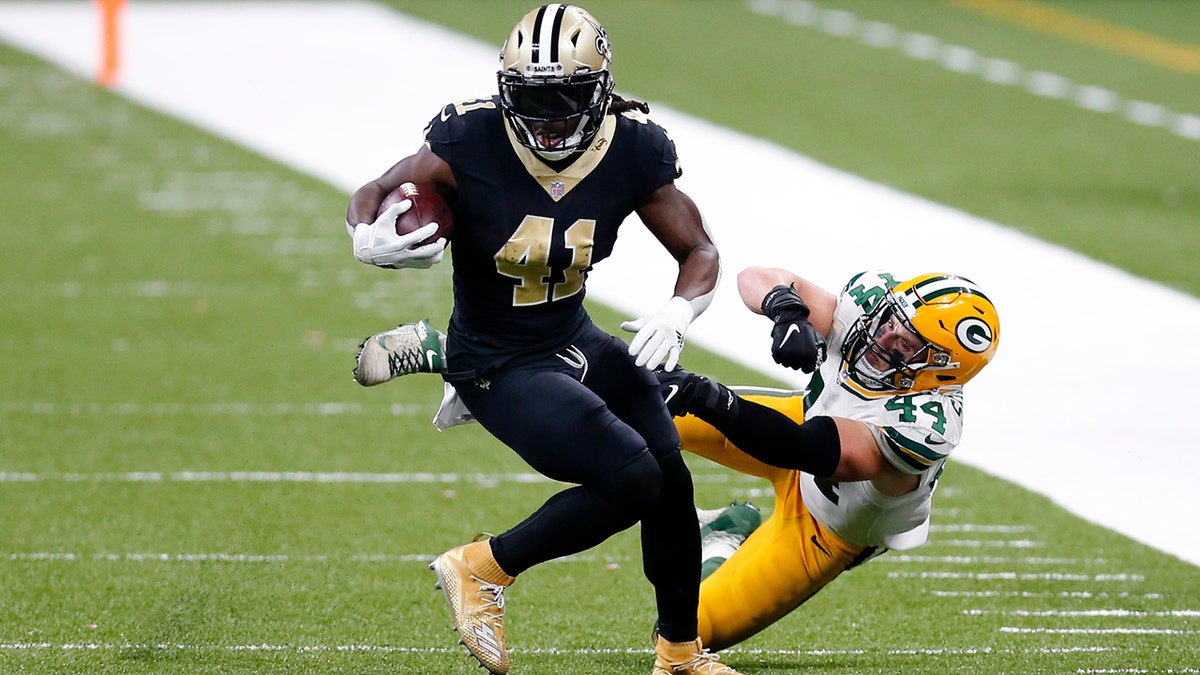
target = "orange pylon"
x: 110, y: 42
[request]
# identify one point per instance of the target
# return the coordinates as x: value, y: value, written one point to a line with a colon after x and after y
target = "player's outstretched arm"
x: 828, y: 447
x: 755, y: 283
x: 675, y: 221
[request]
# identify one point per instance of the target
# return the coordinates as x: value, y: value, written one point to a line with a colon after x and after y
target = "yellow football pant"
x: 783, y: 563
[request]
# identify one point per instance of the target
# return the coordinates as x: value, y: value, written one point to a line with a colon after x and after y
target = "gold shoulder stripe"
x: 556, y: 184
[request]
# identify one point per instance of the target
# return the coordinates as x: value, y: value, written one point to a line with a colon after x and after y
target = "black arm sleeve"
x: 774, y: 438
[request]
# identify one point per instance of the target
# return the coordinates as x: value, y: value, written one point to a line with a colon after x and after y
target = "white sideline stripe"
x: 268, y: 88
x: 300, y: 649
x: 961, y: 59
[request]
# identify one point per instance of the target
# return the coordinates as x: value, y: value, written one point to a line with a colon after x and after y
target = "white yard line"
x: 1099, y: 631
x: 1075, y: 407
x: 1068, y: 595
x: 301, y: 649
x: 1019, y: 576
x: 987, y: 560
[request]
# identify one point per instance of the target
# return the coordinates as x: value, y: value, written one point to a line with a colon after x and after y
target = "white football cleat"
x: 406, y: 349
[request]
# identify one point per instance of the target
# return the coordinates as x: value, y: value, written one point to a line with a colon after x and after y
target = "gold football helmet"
x: 554, y: 79
x: 945, y: 331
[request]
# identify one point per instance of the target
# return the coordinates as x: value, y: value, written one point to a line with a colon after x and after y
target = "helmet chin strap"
x: 574, y: 144
x: 885, y: 379
x: 866, y: 369
x: 555, y: 155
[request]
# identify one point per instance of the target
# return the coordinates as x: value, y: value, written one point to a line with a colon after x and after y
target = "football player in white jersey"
x: 854, y: 459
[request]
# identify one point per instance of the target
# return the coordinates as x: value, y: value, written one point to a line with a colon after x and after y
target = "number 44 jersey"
x: 915, y: 430
x: 527, y: 231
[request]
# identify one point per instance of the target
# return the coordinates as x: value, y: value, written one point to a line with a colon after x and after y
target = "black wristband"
x: 784, y: 301
x: 712, y: 401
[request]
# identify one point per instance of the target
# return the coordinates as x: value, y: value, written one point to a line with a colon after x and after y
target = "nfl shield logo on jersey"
x: 557, y: 189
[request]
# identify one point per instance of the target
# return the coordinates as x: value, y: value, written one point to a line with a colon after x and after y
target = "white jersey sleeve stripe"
x: 915, y: 456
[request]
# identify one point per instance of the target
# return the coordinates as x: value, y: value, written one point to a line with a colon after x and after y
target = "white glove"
x: 659, y: 338
x: 378, y: 244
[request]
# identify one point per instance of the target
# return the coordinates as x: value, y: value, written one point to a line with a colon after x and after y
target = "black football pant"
x: 587, y: 415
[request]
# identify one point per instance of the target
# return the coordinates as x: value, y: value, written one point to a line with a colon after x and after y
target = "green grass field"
x: 190, y: 482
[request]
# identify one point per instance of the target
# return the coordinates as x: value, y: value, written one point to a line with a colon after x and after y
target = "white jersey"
x: 915, y: 431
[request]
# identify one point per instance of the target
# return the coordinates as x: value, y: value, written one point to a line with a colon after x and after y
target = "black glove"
x: 686, y: 392
x: 794, y: 342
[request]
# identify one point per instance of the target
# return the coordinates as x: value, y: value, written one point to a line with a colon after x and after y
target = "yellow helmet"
x: 956, y: 323
x: 554, y: 68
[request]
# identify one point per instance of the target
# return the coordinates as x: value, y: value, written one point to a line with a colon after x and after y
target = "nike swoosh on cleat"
x: 430, y: 355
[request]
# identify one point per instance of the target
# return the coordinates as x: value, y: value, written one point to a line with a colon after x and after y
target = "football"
x: 427, y: 207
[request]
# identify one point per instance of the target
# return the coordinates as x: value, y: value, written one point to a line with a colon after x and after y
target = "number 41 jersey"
x: 915, y: 430
x: 526, y: 234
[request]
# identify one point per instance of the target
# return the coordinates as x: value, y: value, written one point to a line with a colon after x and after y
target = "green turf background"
x: 173, y: 303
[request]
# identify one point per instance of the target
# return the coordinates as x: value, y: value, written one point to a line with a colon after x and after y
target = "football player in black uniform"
x: 540, y: 178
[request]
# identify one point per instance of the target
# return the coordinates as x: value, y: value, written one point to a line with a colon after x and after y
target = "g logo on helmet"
x: 974, y: 334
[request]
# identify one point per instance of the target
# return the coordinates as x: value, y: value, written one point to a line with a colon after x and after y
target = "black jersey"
x: 526, y: 236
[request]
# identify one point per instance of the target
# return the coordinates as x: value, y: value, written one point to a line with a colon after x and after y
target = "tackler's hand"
x: 677, y: 387
x: 794, y: 342
x: 685, y: 392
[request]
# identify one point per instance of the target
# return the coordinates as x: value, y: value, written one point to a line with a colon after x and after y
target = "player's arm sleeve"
x: 439, y: 134
x: 774, y: 438
x: 659, y: 161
